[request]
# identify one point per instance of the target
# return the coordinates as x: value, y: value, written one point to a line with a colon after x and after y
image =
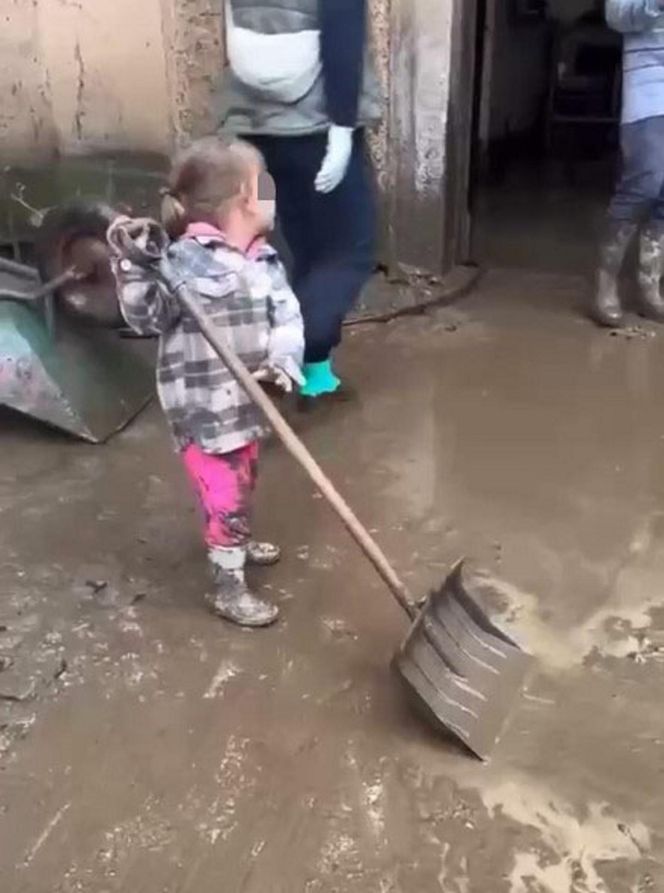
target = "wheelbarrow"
x: 62, y: 360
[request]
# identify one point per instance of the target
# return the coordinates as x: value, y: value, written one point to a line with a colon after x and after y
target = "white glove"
x: 337, y: 158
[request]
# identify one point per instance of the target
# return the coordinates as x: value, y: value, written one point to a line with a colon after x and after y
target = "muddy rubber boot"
x: 606, y: 307
x: 651, y: 268
x: 232, y: 599
x: 263, y: 554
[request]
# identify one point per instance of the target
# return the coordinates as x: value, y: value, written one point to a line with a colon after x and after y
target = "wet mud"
x: 147, y: 746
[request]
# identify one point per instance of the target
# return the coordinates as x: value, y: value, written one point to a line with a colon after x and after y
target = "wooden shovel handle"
x: 295, y: 447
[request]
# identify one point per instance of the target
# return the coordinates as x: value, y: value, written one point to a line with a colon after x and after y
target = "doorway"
x: 545, y: 141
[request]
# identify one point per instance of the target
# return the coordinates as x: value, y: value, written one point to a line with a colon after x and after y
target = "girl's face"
x: 253, y: 213
x: 267, y: 199
x: 263, y: 200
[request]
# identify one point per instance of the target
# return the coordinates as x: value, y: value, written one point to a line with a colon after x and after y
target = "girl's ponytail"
x: 173, y: 214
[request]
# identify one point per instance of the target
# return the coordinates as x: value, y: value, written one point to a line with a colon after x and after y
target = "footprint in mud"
x: 337, y: 629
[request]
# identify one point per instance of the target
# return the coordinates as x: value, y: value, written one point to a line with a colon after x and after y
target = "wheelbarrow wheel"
x: 74, y: 235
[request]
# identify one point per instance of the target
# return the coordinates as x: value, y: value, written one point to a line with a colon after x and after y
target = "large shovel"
x: 458, y: 666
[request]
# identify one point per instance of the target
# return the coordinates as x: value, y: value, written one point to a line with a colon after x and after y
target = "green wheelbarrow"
x: 63, y: 360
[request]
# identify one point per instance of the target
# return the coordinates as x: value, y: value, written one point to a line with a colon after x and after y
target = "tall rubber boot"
x: 606, y: 307
x: 651, y: 269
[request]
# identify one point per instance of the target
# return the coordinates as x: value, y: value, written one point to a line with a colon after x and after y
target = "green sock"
x: 320, y: 379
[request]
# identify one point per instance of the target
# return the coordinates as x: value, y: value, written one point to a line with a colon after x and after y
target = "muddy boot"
x: 651, y: 268
x: 232, y: 599
x: 606, y: 307
x: 263, y: 554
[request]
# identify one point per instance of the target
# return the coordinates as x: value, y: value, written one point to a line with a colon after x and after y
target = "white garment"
x: 282, y: 67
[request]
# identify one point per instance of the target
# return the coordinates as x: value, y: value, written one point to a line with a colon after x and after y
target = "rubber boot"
x: 322, y: 387
x: 319, y: 379
x: 232, y: 599
x: 651, y: 268
x: 606, y: 307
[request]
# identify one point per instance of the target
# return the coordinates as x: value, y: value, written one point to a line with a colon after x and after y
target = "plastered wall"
x: 94, y: 75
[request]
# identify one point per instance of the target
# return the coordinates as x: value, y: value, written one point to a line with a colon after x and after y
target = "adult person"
x: 639, y: 196
x: 300, y: 86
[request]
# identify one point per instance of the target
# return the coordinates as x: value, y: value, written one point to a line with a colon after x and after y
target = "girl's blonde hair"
x: 204, y: 178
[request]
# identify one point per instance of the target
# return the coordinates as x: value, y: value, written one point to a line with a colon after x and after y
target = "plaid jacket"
x: 250, y: 299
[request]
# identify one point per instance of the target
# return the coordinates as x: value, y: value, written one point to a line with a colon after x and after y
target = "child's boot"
x: 232, y: 599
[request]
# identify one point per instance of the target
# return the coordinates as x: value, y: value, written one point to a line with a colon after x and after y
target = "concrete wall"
x: 420, y: 58
x: 78, y: 75
x: 379, y: 16
x: 194, y: 49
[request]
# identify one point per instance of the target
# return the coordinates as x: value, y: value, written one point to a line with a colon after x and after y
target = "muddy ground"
x: 149, y: 748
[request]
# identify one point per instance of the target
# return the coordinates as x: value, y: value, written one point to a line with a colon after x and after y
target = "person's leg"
x: 343, y: 261
x: 636, y: 191
x: 298, y: 163
x: 331, y: 238
x: 223, y: 484
x: 291, y: 171
x: 651, y: 248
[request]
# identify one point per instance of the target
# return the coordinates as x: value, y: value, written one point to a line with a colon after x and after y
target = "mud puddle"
x: 148, y: 747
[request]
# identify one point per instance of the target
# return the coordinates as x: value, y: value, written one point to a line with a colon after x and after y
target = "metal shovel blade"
x: 461, y: 668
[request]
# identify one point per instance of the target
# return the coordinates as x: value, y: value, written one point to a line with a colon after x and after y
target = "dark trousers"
x: 331, y: 237
x: 639, y: 193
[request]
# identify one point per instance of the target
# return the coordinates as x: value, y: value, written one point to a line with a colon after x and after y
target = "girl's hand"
x: 140, y: 240
x: 275, y: 376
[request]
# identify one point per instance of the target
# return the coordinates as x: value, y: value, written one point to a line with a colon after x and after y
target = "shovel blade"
x: 459, y: 666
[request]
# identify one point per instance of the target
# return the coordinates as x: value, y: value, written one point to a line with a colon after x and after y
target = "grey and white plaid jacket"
x: 249, y: 298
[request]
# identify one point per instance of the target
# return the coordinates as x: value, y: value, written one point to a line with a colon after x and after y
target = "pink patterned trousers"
x: 224, y: 485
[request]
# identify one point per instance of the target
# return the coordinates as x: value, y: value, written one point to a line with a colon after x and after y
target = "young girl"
x: 218, y: 210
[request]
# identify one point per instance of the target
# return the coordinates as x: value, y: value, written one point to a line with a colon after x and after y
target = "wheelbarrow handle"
x: 290, y: 440
x: 17, y: 269
x: 41, y: 291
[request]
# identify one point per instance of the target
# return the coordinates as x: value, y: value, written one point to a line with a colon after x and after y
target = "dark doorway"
x: 545, y: 134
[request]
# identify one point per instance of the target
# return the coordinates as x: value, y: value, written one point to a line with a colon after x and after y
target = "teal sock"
x: 320, y: 379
